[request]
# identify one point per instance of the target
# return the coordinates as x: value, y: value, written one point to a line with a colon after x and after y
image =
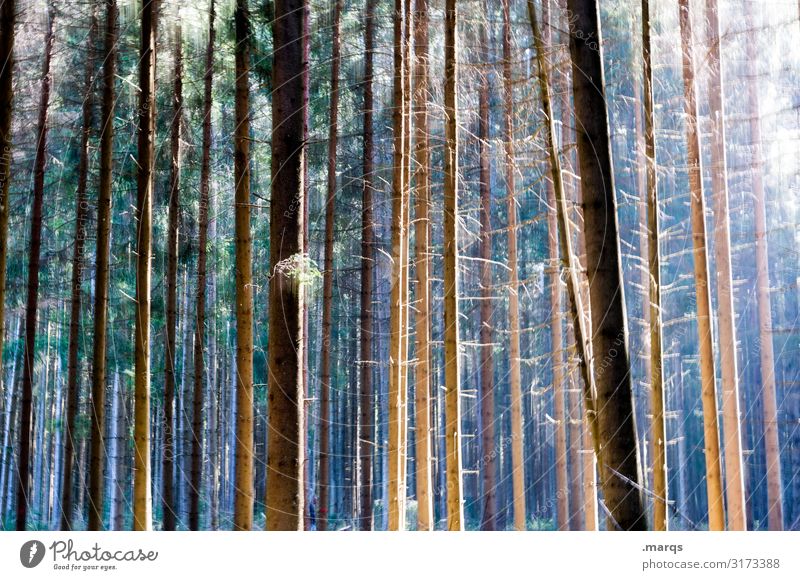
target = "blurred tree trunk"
x: 81, y: 217
x: 616, y: 429
x: 32, y: 301
x: 716, y: 505
x: 327, y: 292
x: 771, y: 442
x: 732, y: 439
x: 517, y: 443
x: 367, y: 414
x: 243, y: 506
x: 285, y: 488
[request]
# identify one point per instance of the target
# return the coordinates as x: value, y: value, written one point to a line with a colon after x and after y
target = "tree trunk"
x: 732, y: 439
x: 32, y: 302
x: 399, y: 294
x: 142, y: 493
x: 452, y: 367
x: 616, y: 426
x: 200, y: 304
x: 716, y: 506
x: 285, y: 488
x: 327, y: 292
x: 517, y: 443
x: 659, y: 432
x: 243, y: 507
x: 771, y: 442
x: 97, y: 401
x: 81, y: 218
x: 487, y: 463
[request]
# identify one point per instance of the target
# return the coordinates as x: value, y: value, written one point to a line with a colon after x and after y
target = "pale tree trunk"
x: 716, y: 505
x: 367, y: 413
x: 170, y: 327
x: 243, y: 503
x: 771, y: 442
x: 399, y: 294
x: 200, y: 301
x: 81, y: 218
x: 732, y: 438
x: 488, y: 463
x: 327, y: 292
x: 452, y: 366
x: 32, y: 301
x: 97, y: 401
x: 422, y: 369
x: 285, y: 459
x: 616, y: 429
x: 142, y: 493
x: 517, y: 443
x: 653, y: 314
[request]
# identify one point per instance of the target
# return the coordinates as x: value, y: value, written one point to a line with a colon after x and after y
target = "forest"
x: 400, y: 265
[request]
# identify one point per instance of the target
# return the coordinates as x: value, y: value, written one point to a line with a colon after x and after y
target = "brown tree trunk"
x: 142, y: 493
x: 97, y: 401
x: 771, y: 441
x: 716, y: 506
x: 399, y: 295
x: 81, y: 217
x: 327, y: 292
x: 452, y: 367
x: 367, y: 413
x: 616, y: 426
x: 285, y: 488
x: 32, y: 301
x: 653, y: 317
x: 422, y: 369
x: 243, y: 502
x: 732, y: 439
x: 488, y: 463
x: 202, y: 260
x: 517, y: 443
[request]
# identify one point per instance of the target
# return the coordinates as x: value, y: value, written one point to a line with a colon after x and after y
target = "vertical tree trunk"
x: 488, y: 463
x: 422, y: 370
x: 142, y: 493
x: 32, y: 301
x: 771, y: 443
x: 81, y: 217
x: 616, y: 426
x: 716, y: 507
x: 452, y: 379
x: 659, y: 432
x: 8, y: 18
x: 202, y: 259
x: 732, y: 439
x: 399, y: 294
x: 327, y: 292
x: 243, y: 506
x: 170, y: 327
x: 285, y: 488
x: 367, y: 413
x: 517, y: 443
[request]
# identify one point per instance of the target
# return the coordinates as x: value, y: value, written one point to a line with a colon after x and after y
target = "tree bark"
x: 367, y: 413
x: 243, y: 502
x: 32, y: 301
x: 716, y: 506
x: 285, y: 488
x: 616, y: 426
x: 104, y: 202
x: 732, y: 439
x: 327, y: 292
x: 517, y: 430
x: 81, y: 218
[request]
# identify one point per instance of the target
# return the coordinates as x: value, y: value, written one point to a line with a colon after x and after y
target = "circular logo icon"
x: 31, y: 553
